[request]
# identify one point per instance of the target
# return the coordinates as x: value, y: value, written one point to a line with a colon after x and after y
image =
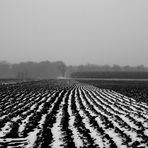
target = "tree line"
x: 47, y: 69
x: 29, y: 70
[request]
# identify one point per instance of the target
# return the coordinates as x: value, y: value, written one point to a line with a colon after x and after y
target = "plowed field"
x: 60, y: 113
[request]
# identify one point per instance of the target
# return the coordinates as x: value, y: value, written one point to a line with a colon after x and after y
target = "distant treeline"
x: 47, y: 69
x: 107, y: 68
x: 29, y: 70
x: 107, y: 71
x: 111, y: 75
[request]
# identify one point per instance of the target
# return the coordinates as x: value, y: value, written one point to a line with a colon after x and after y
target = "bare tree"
x: 62, y: 68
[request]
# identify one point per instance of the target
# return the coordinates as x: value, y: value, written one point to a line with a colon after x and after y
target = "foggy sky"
x: 75, y: 31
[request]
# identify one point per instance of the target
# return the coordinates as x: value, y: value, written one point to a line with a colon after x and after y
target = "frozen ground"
x: 70, y: 115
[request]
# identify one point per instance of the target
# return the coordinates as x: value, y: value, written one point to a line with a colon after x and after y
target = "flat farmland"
x: 66, y: 113
x: 135, y: 88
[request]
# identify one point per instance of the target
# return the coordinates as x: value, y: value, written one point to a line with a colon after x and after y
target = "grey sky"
x: 75, y: 31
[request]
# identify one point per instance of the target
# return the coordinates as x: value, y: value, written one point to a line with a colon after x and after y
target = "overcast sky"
x: 75, y: 31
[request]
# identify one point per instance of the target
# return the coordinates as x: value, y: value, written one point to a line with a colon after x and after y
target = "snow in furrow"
x: 53, y: 104
x: 23, y: 125
x: 134, y: 115
x: 120, y: 102
x: 33, y: 106
x: 114, y: 102
x: 137, y: 118
x: 113, y: 108
x: 21, y: 142
x: 145, y: 124
x: 93, y: 132
x: 96, y: 107
x: 132, y: 134
x: 129, y: 122
x: 121, y: 97
x: 106, y: 106
x: 6, y: 129
x: 26, y: 121
x: 126, y: 119
x: 40, y: 107
x: 50, y: 96
x: 131, y: 103
x: 146, y: 131
x: 110, y: 132
x: 32, y: 136
x: 3, y: 117
x: 56, y: 130
x: 76, y: 135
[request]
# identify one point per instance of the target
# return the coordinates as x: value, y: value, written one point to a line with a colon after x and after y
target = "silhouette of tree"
x: 62, y: 68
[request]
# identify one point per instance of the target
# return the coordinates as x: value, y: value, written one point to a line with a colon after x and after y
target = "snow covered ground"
x: 71, y: 115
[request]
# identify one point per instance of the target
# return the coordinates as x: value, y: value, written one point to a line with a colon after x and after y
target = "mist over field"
x: 48, y: 70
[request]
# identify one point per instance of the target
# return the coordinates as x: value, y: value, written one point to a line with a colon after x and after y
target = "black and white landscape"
x: 64, y: 113
x: 74, y: 74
